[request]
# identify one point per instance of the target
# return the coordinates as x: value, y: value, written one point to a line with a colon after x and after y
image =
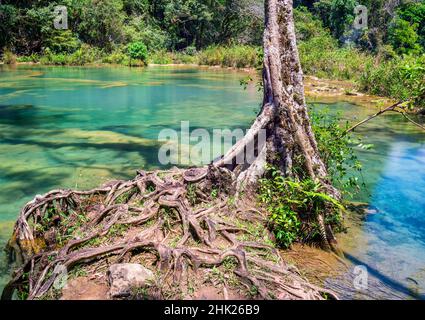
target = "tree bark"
x: 291, y: 145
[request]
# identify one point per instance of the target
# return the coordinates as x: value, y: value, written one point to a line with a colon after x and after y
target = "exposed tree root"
x: 188, y: 237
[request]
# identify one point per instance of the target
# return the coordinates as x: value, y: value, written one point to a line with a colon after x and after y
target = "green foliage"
x: 135, y: 7
x: 336, y: 149
x: 414, y: 12
x: 174, y: 25
x: 100, y: 22
x: 84, y: 55
x: 8, y: 18
x: 138, y: 30
x: 31, y: 58
x: 337, y: 15
x: 161, y: 57
x: 308, y: 26
x: 320, y: 53
x: 117, y: 57
x: 37, y: 27
x: 63, y: 41
x: 9, y: 57
x: 404, y: 38
x: 138, y: 51
x: 294, y: 207
x: 341, y: 16
x: 387, y: 74
x: 203, y: 22
x: 401, y: 78
x: 187, y: 20
x: 238, y: 56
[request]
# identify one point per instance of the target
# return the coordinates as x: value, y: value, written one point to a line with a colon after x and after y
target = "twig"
x: 392, y: 108
x: 412, y: 121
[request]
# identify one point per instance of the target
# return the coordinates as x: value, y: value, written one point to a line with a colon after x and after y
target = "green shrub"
x: 307, y: 26
x: 237, y: 56
x: 414, y: 12
x: 183, y: 57
x: 63, y: 41
x: 49, y: 58
x: 294, y: 207
x: 84, y: 55
x: 404, y: 37
x: 402, y: 78
x: 336, y: 149
x: 117, y: 57
x: 138, y: 51
x: 9, y: 57
x: 212, y: 56
x: 321, y: 56
x: 31, y: 58
x: 138, y: 30
x: 161, y: 57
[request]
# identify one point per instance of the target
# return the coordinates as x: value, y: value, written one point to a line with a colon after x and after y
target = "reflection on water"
x: 78, y: 127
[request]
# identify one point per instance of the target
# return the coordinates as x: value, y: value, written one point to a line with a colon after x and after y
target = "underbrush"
x: 294, y: 206
x: 166, y: 57
x: 322, y: 57
x: 236, y: 56
x: 84, y: 55
x: 9, y: 57
x: 401, y: 78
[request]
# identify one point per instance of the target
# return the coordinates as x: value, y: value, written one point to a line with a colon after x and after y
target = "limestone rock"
x: 125, y: 277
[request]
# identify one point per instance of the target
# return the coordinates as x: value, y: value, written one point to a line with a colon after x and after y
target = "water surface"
x: 72, y: 127
x: 391, y: 242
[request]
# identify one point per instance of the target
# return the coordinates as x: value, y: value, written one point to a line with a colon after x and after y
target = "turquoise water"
x: 390, y: 243
x: 78, y: 127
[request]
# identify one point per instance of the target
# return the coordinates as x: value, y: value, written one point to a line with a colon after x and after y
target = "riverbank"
x: 317, y: 90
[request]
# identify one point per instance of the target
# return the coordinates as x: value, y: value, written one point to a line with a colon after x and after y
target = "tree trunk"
x: 290, y: 145
x: 290, y: 140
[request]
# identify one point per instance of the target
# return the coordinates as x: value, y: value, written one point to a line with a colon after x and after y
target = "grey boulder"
x: 125, y: 277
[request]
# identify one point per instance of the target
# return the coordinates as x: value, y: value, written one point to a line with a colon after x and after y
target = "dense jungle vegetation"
x: 387, y: 58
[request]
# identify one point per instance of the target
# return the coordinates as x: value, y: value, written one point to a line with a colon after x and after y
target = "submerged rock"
x: 371, y: 210
x: 123, y: 278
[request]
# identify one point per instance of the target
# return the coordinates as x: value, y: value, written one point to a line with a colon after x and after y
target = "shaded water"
x: 78, y: 127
